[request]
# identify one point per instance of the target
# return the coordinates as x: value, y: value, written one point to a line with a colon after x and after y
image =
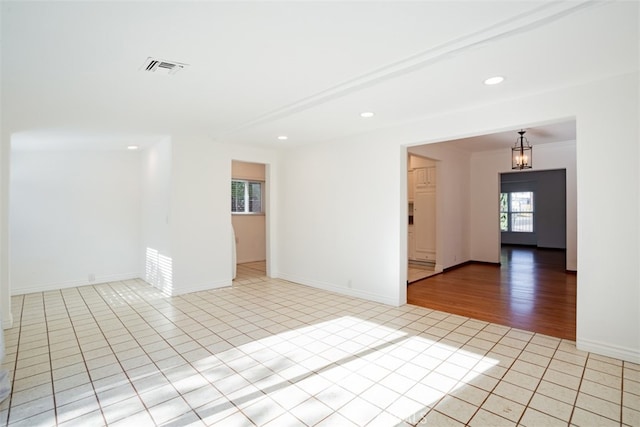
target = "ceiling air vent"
x: 160, y: 66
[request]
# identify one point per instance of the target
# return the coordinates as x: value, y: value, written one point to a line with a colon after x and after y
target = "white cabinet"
x: 425, y: 177
x: 424, y: 225
x: 420, y: 177
x: 410, y: 186
x: 412, y: 246
x: 431, y: 177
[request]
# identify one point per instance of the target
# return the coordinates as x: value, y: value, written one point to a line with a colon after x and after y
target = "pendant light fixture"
x: 521, y: 153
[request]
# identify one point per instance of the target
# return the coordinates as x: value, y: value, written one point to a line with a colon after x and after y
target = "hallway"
x: 530, y: 290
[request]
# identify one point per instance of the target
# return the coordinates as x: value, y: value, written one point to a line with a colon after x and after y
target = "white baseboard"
x: 44, y: 287
x: 605, y: 349
x: 201, y: 287
x: 341, y: 290
x: 7, y: 321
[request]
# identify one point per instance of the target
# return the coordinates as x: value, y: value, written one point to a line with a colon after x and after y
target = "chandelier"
x: 521, y: 153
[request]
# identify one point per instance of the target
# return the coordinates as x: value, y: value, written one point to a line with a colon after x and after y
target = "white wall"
x: 340, y: 218
x: 349, y: 233
x: 5, y: 299
x: 155, y: 245
x: 200, y: 218
x: 608, y: 300
x: 162, y: 214
x: 452, y: 202
x: 74, y: 218
x: 344, y: 205
x: 249, y: 230
x: 486, y: 168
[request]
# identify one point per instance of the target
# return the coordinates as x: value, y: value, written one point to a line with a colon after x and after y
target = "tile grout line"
x: 127, y: 374
x: 15, y: 367
x: 172, y: 346
x: 180, y: 298
x: 491, y: 392
x: 575, y: 402
x: 110, y: 347
x: 283, y: 306
x: 440, y: 338
x: 328, y: 361
x: 46, y: 325
x: 433, y: 407
x: 82, y: 352
x: 622, y: 393
x: 478, y: 407
x: 546, y: 369
x: 621, y: 404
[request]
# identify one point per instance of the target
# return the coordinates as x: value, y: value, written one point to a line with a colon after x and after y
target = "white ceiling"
x: 71, y: 70
x: 538, y: 135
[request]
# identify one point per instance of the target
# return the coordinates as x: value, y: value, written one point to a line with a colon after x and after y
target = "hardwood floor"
x: 530, y: 290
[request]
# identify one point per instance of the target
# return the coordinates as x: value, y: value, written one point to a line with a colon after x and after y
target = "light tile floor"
x: 273, y: 353
x: 418, y: 271
x: 250, y: 272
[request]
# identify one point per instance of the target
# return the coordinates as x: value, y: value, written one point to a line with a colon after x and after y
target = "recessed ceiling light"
x: 494, y: 80
x: 366, y: 114
x: 283, y: 137
x: 132, y: 147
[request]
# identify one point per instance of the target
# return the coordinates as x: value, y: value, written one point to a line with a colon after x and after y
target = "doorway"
x: 422, y: 209
x: 248, y: 218
x: 468, y: 228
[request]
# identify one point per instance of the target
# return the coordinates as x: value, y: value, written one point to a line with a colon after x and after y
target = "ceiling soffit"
x: 282, y: 70
x: 535, y: 18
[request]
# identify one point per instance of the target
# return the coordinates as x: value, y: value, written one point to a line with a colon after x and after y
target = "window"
x: 516, y: 212
x: 246, y: 196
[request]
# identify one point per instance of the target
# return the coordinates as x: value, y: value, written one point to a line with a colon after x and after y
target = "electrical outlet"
x: 92, y: 277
